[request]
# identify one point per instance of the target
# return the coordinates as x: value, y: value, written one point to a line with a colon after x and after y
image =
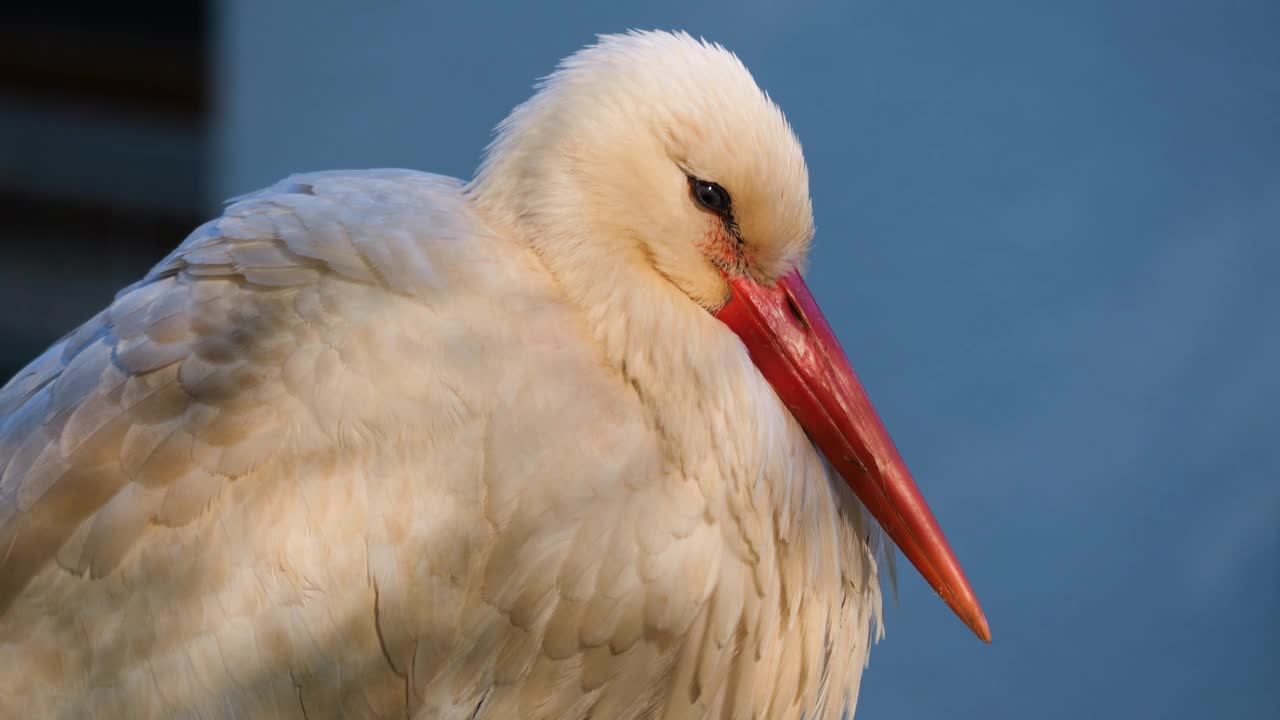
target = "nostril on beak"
x: 795, y: 310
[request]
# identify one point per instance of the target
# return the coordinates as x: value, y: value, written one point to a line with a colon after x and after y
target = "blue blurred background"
x: 1049, y: 235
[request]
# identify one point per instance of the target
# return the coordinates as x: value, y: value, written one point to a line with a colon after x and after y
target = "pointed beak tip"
x: 964, y: 603
x: 978, y: 624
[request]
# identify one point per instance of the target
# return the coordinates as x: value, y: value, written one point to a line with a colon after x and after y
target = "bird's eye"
x: 710, y: 195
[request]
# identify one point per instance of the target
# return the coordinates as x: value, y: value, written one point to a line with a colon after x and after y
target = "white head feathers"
x: 603, y: 153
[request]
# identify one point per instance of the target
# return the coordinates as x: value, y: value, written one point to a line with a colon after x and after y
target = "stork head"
x: 656, y: 155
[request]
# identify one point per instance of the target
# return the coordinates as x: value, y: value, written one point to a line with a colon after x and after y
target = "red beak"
x: 794, y: 348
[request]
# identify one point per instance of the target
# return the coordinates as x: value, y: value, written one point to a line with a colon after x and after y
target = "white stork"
x: 546, y: 444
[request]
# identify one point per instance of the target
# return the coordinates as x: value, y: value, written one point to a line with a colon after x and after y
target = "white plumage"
x: 382, y: 444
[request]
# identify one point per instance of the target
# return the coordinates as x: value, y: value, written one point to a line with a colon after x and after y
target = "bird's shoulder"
x: 380, y: 227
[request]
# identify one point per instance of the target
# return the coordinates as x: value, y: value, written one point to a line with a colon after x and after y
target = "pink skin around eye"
x: 719, y: 246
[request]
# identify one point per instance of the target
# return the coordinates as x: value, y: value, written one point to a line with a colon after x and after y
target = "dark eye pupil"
x: 711, y: 195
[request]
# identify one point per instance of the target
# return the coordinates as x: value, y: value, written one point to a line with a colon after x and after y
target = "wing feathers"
x: 175, y: 387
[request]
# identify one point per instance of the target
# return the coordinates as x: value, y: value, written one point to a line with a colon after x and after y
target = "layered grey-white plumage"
x: 382, y: 444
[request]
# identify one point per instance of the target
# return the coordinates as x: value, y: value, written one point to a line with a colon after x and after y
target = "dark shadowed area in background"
x: 1048, y: 237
